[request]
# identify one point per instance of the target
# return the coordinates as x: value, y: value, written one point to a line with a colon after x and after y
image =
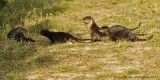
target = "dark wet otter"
x: 118, y: 32
x: 60, y: 36
x: 93, y: 29
x: 18, y: 35
x: 15, y: 31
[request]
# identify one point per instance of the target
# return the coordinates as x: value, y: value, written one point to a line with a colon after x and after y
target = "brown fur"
x: 93, y: 29
x: 118, y: 32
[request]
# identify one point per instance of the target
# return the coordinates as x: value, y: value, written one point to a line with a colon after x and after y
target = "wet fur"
x: 118, y: 32
x: 18, y: 35
x: 61, y: 37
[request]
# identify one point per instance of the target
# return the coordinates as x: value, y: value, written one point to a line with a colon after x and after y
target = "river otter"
x: 93, y: 29
x: 18, y: 35
x: 60, y: 36
x: 118, y: 32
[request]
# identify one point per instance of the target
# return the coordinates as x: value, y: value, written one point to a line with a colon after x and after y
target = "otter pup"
x: 118, y: 32
x: 59, y: 36
x: 18, y: 35
x: 93, y: 29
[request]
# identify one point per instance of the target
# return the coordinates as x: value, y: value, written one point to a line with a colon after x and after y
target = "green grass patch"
x: 66, y: 16
x: 128, y: 72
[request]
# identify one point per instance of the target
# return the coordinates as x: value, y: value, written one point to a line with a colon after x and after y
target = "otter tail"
x: 136, y: 27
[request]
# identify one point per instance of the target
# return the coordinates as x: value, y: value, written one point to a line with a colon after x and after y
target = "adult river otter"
x: 93, y: 29
x: 60, y: 36
x: 118, y: 32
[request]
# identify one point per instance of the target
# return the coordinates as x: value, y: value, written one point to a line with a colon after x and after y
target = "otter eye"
x: 84, y: 18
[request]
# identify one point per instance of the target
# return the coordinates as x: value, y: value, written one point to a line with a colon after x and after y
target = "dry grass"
x: 93, y: 61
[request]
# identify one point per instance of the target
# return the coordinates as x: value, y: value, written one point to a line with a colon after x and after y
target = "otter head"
x: 87, y: 19
x: 90, y: 24
x: 44, y: 32
x: 104, y: 30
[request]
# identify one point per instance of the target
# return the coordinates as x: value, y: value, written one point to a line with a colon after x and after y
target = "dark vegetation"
x: 13, y: 13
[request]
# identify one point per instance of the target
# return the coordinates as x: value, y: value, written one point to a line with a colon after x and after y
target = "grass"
x: 79, y: 61
x: 129, y: 72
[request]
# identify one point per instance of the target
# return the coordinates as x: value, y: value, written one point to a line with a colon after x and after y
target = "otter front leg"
x: 94, y: 38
